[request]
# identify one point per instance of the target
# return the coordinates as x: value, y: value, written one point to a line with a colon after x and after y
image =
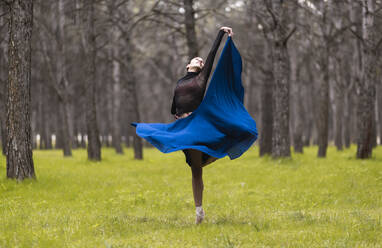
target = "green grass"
x: 249, y: 202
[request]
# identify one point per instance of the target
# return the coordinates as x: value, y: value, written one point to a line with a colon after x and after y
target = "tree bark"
x: 3, y: 139
x: 347, y: 119
x: 339, y: 104
x: 94, y: 144
x: 281, y: 67
x: 379, y: 105
x: 116, y: 89
x: 116, y: 123
x: 134, y: 115
x: 19, y: 139
x: 189, y: 20
x: 265, y: 139
x: 64, y: 128
x: 366, y: 86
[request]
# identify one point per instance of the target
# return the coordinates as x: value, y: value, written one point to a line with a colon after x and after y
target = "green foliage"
x: 249, y: 202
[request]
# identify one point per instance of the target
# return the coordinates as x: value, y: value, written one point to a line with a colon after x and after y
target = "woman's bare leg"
x: 197, y: 183
x: 197, y: 176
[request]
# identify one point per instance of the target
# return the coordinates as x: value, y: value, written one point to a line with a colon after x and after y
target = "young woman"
x: 188, y: 95
x: 208, y: 126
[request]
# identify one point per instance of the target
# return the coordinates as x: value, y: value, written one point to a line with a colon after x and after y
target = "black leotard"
x: 190, y: 89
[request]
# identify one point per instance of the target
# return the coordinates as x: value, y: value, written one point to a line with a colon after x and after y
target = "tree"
x: 54, y: 52
x: 19, y: 144
x: 189, y: 21
x: 94, y: 144
x: 366, y: 86
x: 281, y: 71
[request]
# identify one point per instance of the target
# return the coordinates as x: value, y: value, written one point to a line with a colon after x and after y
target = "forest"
x: 80, y: 80
x: 312, y: 69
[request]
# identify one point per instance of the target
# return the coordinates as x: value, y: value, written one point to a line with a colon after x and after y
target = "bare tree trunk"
x: 366, y: 86
x: 379, y: 105
x: 3, y: 76
x: 309, y: 99
x: 116, y: 92
x: 94, y: 144
x: 132, y: 99
x: 339, y: 104
x: 3, y: 131
x: 66, y: 137
x: 323, y: 95
x: 189, y: 20
x: 116, y: 108
x: 281, y: 67
x: 265, y: 139
x: 42, y: 129
x: 62, y: 83
x: 323, y: 105
x: 134, y: 115
x: 2, y: 103
x: 338, y: 122
x: 299, y: 124
x: 19, y: 144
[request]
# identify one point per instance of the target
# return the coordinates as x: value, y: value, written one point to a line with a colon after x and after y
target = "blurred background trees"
x: 312, y: 69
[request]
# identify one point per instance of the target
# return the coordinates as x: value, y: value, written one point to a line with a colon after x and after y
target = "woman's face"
x: 196, y: 62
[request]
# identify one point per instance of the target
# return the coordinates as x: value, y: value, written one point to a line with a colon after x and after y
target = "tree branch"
x: 289, y: 35
x: 356, y: 35
x: 275, y: 22
x: 378, y: 44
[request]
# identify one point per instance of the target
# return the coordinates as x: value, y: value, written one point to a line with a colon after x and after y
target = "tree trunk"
x: 132, y: 100
x: 134, y: 113
x: 299, y: 124
x: 19, y: 144
x: 116, y: 88
x: 62, y: 82
x: 347, y: 119
x: 379, y: 105
x: 3, y: 139
x: 3, y: 131
x: 65, y: 133
x: 265, y: 139
x: 116, y: 123
x: 94, y: 144
x: 281, y: 67
x: 340, y: 88
x: 338, y: 122
x: 189, y: 20
x: 323, y: 105
x: 366, y: 87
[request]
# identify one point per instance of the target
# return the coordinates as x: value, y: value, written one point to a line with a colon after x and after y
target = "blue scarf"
x: 220, y: 126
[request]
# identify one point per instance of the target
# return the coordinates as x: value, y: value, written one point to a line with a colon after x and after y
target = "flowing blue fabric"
x: 220, y: 126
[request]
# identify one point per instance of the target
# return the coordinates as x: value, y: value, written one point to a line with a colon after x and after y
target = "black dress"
x: 190, y: 89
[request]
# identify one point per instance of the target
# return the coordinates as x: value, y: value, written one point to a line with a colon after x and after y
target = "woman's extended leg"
x: 197, y: 183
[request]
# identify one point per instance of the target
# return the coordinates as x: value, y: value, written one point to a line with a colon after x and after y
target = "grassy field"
x: 249, y: 202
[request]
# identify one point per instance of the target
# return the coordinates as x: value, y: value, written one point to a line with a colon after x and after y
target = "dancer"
x: 206, y: 128
x: 188, y: 95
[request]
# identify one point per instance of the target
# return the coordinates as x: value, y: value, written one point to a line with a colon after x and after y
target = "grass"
x: 249, y: 202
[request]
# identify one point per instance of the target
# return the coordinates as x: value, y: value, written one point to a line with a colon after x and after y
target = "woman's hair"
x: 196, y: 63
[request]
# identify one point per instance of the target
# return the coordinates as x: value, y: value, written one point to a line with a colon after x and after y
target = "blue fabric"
x: 220, y: 126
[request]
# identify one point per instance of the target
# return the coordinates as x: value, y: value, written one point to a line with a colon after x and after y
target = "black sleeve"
x: 173, y: 107
x: 206, y: 71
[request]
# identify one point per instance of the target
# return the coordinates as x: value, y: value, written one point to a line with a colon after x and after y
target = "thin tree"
x: 366, y: 86
x: 19, y: 139
x: 281, y: 69
x: 94, y: 144
x: 189, y: 21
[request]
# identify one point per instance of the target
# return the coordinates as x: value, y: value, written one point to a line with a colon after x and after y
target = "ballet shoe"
x: 199, y: 215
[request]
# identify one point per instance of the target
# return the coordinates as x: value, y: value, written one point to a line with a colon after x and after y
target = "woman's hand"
x: 228, y: 30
